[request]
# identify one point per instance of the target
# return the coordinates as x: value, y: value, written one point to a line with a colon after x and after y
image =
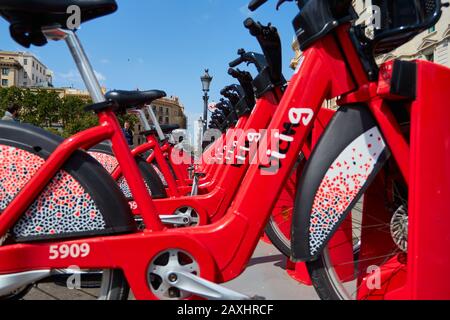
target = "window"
x: 25, y: 62
x: 33, y: 64
x: 4, y: 82
x: 32, y: 77
x: 161, y: 110
x: 167, y: 111
x: 167, y: 120
x: 160, y: 119
x: 25, y: 83
x: 430, y: 57
x: 5, y: 71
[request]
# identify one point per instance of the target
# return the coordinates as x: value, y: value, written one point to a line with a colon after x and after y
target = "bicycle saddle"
x: 133, y: 99
x: 27, y: 17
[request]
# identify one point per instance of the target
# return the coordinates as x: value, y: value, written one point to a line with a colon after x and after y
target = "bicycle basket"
x: 402, y: 20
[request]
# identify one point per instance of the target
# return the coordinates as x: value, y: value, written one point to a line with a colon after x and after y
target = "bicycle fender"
x: 82, y: 200
x: 347, y: 158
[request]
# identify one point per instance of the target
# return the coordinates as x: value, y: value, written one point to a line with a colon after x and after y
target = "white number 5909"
x: 73, y: 251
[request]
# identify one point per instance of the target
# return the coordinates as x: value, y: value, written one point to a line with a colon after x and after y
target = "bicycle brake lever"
x: 281, y: 2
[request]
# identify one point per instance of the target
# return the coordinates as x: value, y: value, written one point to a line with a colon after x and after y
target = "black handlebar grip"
x: 225, y: 90
x: 234, y: 73
x: 255, y: 28
x: 236, y: 62
x: 255, y: 4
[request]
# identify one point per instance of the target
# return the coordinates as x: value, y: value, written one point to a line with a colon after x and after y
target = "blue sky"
x: 165, y: 44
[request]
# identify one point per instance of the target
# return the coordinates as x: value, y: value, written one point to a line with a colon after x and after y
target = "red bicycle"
x: 220, y: 174
x: 67, y: 202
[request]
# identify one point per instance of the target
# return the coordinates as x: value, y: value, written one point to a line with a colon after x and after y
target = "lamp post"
x: 206, y: 83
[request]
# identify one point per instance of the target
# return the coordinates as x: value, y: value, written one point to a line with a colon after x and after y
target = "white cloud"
x: 73, y: 78
x: 99, y: 76
x: 70, y: 76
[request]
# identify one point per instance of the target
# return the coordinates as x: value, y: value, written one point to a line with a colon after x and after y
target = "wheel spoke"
x: 158, y: 270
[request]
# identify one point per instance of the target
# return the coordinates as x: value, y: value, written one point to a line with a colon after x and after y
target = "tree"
x: 73, y: 116
x: 8, y: 96
x: 46, y: 109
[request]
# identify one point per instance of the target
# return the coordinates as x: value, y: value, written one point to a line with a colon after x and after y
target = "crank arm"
x: 203, y: 288
x: 176, y: 220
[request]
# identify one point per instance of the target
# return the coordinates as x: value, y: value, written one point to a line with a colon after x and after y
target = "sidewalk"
x: 266, y: 277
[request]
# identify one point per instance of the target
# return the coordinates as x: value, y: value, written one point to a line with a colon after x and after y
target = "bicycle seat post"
x: 80, y: 58
x: 141, y: 114
x: 155, y: 121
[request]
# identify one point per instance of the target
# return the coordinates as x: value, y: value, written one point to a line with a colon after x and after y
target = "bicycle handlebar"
x: 241, y: 59
x: 270, y: 42
x: 236, y: 62
x: 231, y: 89
x: 255, y: 4
x: 237, y: 74
x: 254, y: 28
x: 257, y: 59
x: 246, y: 81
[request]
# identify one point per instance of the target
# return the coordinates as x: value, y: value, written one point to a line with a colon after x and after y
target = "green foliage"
x: 132, y: 119
x: 45, y: 109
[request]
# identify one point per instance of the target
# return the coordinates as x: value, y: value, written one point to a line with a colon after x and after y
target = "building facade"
x: 168, y: 111
x: 72, y: 92
x: 10, y: 72
x: 32, y: 72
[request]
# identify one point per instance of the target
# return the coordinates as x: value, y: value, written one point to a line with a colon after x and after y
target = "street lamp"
x: 206, y: 83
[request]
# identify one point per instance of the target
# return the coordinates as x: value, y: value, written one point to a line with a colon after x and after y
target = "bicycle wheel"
x: 278, y: 229
x: 105, y: 156
x: 353, y: 197
x: 80, y: 201
x: 379, y: 225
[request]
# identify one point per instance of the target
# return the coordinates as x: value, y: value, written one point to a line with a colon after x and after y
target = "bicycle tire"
x: 105, y: 156
x: 339, y: 157
x: 278, y: 229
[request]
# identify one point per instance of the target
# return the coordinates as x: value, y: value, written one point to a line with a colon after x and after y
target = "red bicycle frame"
x: 175, y: 187
x: 222, y: 249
